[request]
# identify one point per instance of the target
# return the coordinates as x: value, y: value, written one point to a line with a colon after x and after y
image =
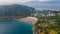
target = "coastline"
x: 31, y: 20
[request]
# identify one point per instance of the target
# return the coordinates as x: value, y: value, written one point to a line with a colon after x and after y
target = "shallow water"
x: 15, y: 27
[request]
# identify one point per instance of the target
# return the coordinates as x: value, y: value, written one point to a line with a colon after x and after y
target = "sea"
x: 15, y: 27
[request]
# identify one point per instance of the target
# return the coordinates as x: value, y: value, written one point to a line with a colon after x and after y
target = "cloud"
x: 13, y: 1
x: 49, y: 0
x: 45, y: 0
x: 20, y: 1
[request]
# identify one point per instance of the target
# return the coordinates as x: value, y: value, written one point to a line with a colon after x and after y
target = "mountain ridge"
x: 46, y: 5
x: 15, y: 10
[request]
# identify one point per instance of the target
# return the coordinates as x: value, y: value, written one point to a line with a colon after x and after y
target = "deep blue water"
x: 15, y: 27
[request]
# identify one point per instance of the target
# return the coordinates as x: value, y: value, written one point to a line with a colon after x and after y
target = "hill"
x: 15, y: 10
x: 44, y: 5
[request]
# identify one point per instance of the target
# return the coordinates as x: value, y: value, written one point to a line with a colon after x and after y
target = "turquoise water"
x: 15, y: 27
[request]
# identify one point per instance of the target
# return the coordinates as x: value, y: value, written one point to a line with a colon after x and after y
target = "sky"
x: 12, y: 1
x: 21, y: 1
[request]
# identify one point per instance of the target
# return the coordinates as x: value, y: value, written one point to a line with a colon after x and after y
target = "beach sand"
x: 29, y: 19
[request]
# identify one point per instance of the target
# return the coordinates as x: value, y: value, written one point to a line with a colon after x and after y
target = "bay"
x: 15, y: 27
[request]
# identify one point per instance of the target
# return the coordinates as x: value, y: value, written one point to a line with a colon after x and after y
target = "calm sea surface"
x: 15, y: 27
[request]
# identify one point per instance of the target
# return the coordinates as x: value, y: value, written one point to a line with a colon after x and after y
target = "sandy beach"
x: 31, y: 20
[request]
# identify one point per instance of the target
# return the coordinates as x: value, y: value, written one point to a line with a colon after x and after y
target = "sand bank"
x: 29, y: 19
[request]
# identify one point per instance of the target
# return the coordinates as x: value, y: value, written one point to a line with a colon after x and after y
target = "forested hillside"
x: 15, y: 10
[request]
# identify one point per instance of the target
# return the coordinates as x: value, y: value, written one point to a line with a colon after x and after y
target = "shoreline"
x: 31, y: 20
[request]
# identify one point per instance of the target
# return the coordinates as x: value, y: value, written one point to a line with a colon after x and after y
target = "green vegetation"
x: 15, y: 10
x: 48, y: 25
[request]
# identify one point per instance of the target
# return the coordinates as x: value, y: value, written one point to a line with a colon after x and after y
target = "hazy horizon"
x: 45, y: 4
x: 3, y: 2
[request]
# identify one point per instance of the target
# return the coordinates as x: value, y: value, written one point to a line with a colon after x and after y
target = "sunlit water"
x: 15, y: 27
